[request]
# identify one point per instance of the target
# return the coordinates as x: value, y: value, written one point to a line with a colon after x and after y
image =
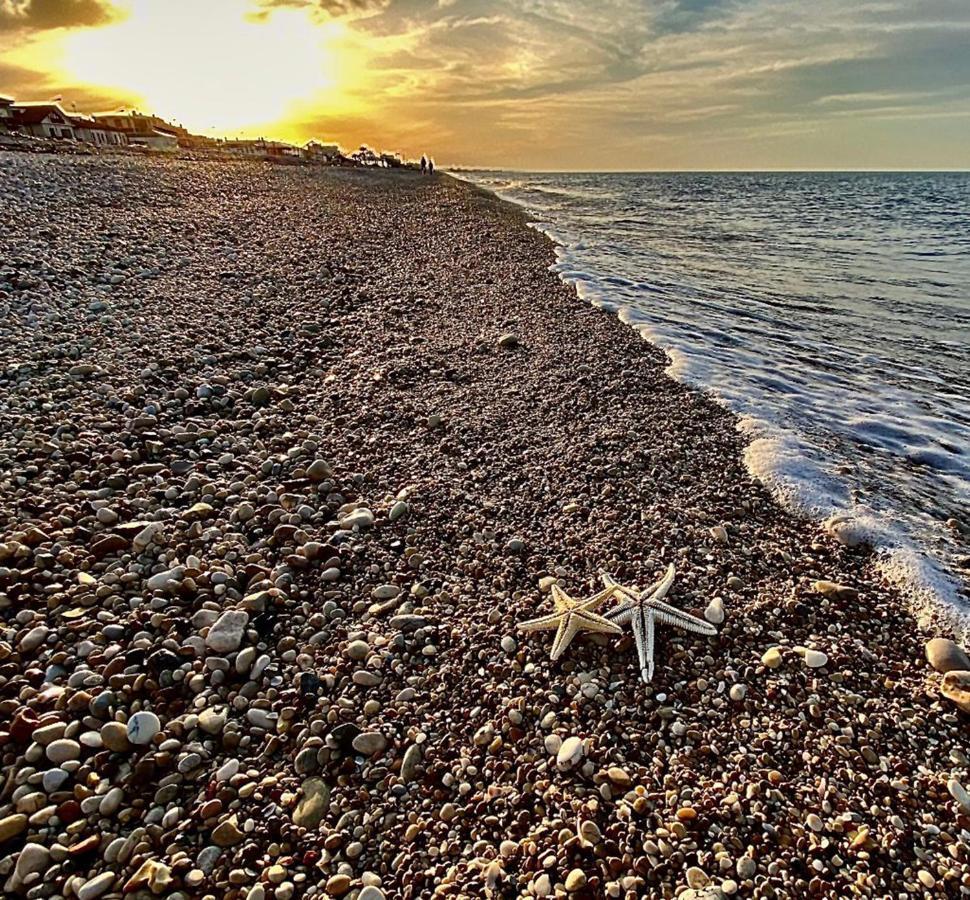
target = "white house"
x: 45, y: 120
x: 101, y: 135
x: 6, y: 115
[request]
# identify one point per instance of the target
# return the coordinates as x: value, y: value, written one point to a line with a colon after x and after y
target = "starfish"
x: 644, y: 610
x: 571, y: 617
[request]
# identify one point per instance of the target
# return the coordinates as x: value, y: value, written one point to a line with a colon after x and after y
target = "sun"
x: 212, y: 65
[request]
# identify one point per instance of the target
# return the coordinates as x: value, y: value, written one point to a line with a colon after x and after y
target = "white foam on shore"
x: 783, y: 461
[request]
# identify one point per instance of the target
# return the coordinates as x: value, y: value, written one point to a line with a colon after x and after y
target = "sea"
x: 830, y: 311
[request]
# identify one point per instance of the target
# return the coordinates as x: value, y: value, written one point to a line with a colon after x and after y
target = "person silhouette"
x: 424, y: 165
x: 430, y: 166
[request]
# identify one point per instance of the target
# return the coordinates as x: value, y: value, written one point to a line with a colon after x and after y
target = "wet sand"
x: 274, y: 495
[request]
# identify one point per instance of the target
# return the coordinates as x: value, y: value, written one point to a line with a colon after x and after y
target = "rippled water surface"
x: 832, y: 311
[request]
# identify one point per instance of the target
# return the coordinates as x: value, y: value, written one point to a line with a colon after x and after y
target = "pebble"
x: 142, y: 727
x: 956, y: 688
x: 835, y: 591
x: 114, y: 736
x: 946, y: 656
x: 371, y: 892
x: 569, y: 753
x: 358, y: 518
x: 575, y: 880
x: 714, y: 612
x: 227, y: 633
x: 11, y: 826
x: 358, y: 650
x: 508, y: 341
x: 369, y: 742
x: 62, y: 751
x: 814, y: 659
x: 338, y: 885
x: 96, y: 886
x: 771, y: 658
x: 959, y: 793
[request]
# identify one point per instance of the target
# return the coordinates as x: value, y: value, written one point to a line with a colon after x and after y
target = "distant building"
x: 44, y: 120
x: 144, y: 130
x: 317, y: 151
x: 98, y: 133
x: 260, y: 148
x: 6, y: 113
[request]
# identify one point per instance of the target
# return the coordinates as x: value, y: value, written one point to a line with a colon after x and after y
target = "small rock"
x: 946, y: 656
x: 570, y: 753
x: 959, y: 793
x: 142, y: 727
x: 11, y: 826
x: 737, y: 692
x: 771, y: 658
x: 956, y: 687
x: 212, y: 721
x: 508, y: 341
x: 398, y: 510
x: 714, y: 613
x: 114, y: 736
x: 312, y: 808
x: 319, y: 470
x: 575, y: 880
x: 62, y: 751
x: 96, y: 886
x: 226, y: 634
x: 369, y: 742
x: 358, y: 650
x: 696, y: 878
x: 359, y: 518
x: 338, y: 885
x: 370, y: 892
x: 835, y: 591
x: 411, y: 761
x: 227, y: 833
x: 814, y: 659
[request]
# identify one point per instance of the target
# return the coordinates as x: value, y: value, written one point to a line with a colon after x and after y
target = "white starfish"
x: 644, y: 609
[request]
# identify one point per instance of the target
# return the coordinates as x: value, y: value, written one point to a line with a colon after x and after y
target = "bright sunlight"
x: 213, y: 65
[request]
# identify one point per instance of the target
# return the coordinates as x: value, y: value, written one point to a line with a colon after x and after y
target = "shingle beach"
x: 285, y: 457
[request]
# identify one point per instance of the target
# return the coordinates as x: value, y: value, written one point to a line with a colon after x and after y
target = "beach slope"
x: 285, y: 457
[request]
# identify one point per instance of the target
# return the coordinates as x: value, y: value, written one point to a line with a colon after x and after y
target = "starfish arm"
x: 543, y: 623
x: 659, y: 590
x: 630, y: 593
x: 620, y: 614
x: 670, y: 615
x: 590, y: 621
x: 643, y: 633
x: 568, y: 629
x: 597, y: 600
x: 562, y: 600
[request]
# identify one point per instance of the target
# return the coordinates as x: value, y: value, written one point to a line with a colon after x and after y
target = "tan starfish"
x: 571, y: 617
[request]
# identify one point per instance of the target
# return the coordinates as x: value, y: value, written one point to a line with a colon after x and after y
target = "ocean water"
x: 831, y: 311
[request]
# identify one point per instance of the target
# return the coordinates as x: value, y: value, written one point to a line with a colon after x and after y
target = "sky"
x: 527, y: 84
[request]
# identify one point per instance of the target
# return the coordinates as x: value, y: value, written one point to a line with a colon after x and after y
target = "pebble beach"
x: 286, y: 456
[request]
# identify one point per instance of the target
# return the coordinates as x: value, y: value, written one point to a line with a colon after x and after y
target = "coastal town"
x: 48, y: 125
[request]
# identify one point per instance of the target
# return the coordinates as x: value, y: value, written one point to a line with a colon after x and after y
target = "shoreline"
x: 285, y: 501
x: 936, y: 593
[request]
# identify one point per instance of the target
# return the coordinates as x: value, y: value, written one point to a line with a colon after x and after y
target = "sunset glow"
x: 617, y: 84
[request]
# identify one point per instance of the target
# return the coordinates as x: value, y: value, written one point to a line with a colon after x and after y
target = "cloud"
x: 44, y: 15
x: 327, y: 8
x: 28, y: 84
